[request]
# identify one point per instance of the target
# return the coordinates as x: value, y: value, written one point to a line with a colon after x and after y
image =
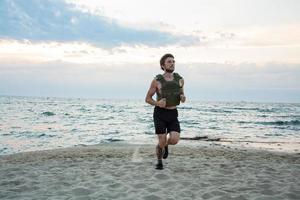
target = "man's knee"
x: 174, y: 138
x: 174, y: 141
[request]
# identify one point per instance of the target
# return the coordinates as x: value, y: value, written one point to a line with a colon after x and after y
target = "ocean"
x: 39, y: 123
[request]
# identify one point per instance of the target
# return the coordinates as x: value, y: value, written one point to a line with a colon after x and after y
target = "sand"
x: 123, y: 171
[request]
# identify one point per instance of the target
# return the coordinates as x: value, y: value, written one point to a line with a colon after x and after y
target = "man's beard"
x: 169, y: 70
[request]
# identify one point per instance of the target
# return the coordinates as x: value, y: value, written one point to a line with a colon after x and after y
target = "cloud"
x: 55, y: 20
x: 270, y: 36
x: 270, y: 76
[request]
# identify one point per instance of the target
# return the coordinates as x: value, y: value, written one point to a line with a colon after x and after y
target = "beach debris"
x: 204, y: 138
x: 113, y: 140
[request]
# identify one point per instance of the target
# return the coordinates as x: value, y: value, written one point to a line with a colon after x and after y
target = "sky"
x: 226, y: 50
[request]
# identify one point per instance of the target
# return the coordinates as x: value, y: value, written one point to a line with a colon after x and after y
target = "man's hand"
x: 182, y: 98
x: 162, y: 103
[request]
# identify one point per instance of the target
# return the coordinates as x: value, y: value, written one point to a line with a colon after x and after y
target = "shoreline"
x: 286, y: 146
x: 126, y: 149
x: 271, y: 146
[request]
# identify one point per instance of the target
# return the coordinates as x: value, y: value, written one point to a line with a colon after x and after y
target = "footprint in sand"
x: 115, y: 186
x: 82, y: 191
x: 161, y: 176
x: 140, y: 185
x: 151, y: 197
x: 136, y: 156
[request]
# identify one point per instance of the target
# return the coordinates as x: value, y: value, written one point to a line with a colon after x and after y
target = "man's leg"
x: 171, y: 140
x: 162, y: 139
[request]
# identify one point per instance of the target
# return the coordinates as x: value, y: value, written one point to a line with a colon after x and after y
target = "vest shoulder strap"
x: 160, y: 78
x: 177, y: 76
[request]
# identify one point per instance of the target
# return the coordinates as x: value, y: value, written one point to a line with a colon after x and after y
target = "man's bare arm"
x: 182, y: 96
x: 150, y: 93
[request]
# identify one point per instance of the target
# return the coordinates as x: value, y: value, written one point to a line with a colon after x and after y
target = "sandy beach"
x: 123, y: 171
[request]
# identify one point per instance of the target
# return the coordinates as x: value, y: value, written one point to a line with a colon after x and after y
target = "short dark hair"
x: 163, y: 59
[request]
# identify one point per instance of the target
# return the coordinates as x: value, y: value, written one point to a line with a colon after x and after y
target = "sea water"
x: 38, y: 123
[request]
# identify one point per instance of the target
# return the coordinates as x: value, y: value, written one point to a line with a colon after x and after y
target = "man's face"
x: 169, y: 64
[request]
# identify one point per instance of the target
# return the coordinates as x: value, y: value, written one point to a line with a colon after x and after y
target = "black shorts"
x: 165, y: 120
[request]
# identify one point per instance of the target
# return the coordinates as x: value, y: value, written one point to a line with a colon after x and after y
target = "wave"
x: 214, y: 110
x: 276, y: 123
x: 84, y: 109
x: 190, y: 122
x: 281, y: 123
x: 185, y: 108
x: 45, y: 135
x: 219, y: 110
x: 256, y: 109
x: 48, y: 113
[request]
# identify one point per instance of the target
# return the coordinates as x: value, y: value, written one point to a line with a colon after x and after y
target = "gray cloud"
x: 55, y: 20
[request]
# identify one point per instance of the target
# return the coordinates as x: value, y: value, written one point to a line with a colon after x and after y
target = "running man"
x: 169, y: 92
